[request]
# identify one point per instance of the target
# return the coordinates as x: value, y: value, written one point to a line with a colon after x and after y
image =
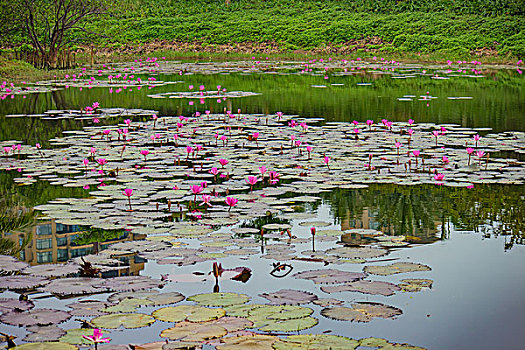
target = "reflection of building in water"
x: 368, y: 220
x: 55, y: 243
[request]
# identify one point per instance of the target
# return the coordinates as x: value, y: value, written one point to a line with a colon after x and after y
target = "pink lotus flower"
x: 232, y: 202
x: 206, y: 198
x: 128, y: 192
x: 326, y: 160
x: 470, y: 150
x: 144, y: 152
x: 369, y: 122
x: 93, y: 150
x: 214, y: 171
x: 445, y: 159
x: 196, y: 189
x: 274, y: 177
x: 480, y: 154
x: 416, y: 153
x: 223, y: 162
x: 439, y: 177
x: 102, y: 161
x: 410, y: 121
x: 262, y: 169
x: 96, y: 338
x: 251, y: 180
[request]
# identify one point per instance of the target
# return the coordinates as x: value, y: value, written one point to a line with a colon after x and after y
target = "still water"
x: 472, y: 239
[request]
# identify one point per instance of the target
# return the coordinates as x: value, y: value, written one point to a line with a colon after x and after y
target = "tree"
x: 49, y: 25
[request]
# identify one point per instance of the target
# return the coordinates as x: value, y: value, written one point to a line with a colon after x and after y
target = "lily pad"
x: 135, y: 320
x: 35, y: 317
x: 330, y: 276
x: 366, y: 287
x: 44, y: 333
x: 289, y: 297
x: 249, y: 342
x: 361, y: 312
x: 317, y: 342
x: 190, y: 313
x: 22, y: 282
x: 10, y: 304
x: 219, y: 299
x: 292, y: 325
x: 414, y: 284
x: 74, y: 336
x: 46, y: 346
x: 189, y: 331
x: 399, y: 267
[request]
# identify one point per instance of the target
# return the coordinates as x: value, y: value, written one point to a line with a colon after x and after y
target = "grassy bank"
x: 330, y: 26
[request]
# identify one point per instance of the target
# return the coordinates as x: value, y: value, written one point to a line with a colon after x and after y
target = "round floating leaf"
x: 361, y: 312
x: 249, y: 342
x: 35, y: 317
x: 165, y: 298
x: 293, y: 325
x: 380, y: 343
x: 10, y: 264
x: 317, y: 342
x: 52, y: 270
x: 10, y: 304
x: 233, y: 324
x: 190, y: 313
x: 220, y: 299
x: 75, y: 286
x: 366, y: 287
x: 189, y: 331
x: 330, y: 276
x: 44, y: 333
x: 127, y: 305
x: 131, y: 283
x: 414, y: 284
x: 46, y: 346
x: 263, y: 315
x: 22, y: 282
x: 88, y: 308
x: 399, y: 267
x: 357, y: 252
x: 74, y: 336
x: 289, y: 296
x: 125, y: 320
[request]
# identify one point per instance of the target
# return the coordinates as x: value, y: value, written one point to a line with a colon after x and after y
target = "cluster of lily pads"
x: 176, y: 179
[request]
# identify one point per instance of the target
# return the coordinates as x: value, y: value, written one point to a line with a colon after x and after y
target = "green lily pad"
x: 293, y: 325
x: 127, y: 305
x: 190, y: 313
x: 74, y: 336
x: 249, y: 342
x: 125, y: 320
x: 414, y: 284
x: 317, y: 342
x: 220, y: 299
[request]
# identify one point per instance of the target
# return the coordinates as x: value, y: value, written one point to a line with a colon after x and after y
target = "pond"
x: 336, y: 204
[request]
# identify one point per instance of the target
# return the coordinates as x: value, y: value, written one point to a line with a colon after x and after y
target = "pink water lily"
x: 326, y: 160
x: 206, y: 198
x: 128, y: 192
x: 274, y: 177
x: 144, y: 152
x: 476, y: 139
x: 439, y: 177
x: 369, y: 122
x: 251, y: 180
x: 96, y: 338
x: 223, y: 162
x: 232, y: 202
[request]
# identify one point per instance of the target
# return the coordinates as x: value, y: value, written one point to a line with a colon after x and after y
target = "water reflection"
x: 424, y: 213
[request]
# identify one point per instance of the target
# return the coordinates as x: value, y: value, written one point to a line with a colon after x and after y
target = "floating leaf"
x: 357, y: 252
x: 189, y: 331
x: 316, y: 342
x: 75, y: 286
x: 74, y: 336
x: 45, y: 346
x: 366, y: 287
x: 44, y: 333
x: 289, y: 296
x: 220, y: 299
x: 232, y: 324
x: 21, y: 282
x: 414, y: 284
x: 292, y: 325
x: 125, y: 320
x: 127, y: 305
x: 330, y: 276
x: 249, y: 342
x: 190, y: 313
x: 399, y: 267
x: 88, y: 308
x: 35, y: 317
x: 361, y: 312
x: 10, y: 304
x: 10, y: 264
x: 131, y: 283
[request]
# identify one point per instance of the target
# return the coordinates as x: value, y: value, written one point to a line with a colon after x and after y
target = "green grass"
x: 395, y: 26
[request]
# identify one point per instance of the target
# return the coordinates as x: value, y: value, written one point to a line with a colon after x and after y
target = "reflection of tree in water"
x: 13, y: 216
x: 394, y: 210
x: 420, y: 210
